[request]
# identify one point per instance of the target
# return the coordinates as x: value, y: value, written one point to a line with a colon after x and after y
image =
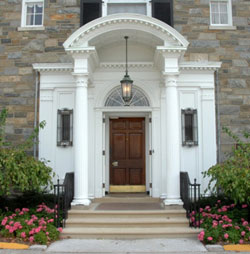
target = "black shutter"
x: 90, y: 10
x: 163, y: 10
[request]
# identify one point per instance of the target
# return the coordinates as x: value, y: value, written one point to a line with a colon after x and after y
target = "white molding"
x: 117, y: 65
x: 200, y: 65
x: 53, y: 67
x: 131, y: 21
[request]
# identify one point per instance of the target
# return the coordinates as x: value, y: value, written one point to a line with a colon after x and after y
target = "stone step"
x: 175, y: 213
x: 130, y: 233
x: 126, y: 222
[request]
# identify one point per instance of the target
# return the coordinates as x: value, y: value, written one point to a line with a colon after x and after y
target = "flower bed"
x: 30, y: 225
x: 224, y: 223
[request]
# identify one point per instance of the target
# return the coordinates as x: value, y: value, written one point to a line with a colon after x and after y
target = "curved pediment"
x: 146, y: 29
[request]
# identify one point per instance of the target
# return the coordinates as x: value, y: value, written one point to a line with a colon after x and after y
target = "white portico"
x: 165, y: 87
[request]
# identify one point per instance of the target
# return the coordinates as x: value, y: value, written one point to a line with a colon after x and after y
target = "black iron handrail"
x: 64, y: 194
x: 190, y: 195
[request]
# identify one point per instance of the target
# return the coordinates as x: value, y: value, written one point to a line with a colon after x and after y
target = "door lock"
x: 115, y: 163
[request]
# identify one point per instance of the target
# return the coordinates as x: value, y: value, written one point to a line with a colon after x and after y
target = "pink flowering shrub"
x: 223, y: 223
x: 32, y: 225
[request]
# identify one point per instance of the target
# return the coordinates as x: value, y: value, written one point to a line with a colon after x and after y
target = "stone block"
x: 198, y: 57
x: 245, y: 71
x: 240, y: 21
x: 5, y: 41
x: 229, y: 109
x: 36, y: 45
x: 205, y: 2
x: 14, y: 55
x: 198, y: 20
x: 51, y: 43
x: 244, y: 42
x: 240, y: 63
x: 11, y: 71
x: 196, y: 11
x: 2, y: 49
x: 243, y: 48
x: 207, y: 36
x: 214, y: 248
x: 25, y: 70
x: 245, y: 55
x: 205, y: 43
x: 237, y: 83
x: 74, y: 10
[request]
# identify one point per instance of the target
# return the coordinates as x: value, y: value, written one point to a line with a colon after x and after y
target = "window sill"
x: 222, y: 27
x: 29, y: 28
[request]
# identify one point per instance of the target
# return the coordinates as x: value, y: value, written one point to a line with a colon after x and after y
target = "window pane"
x: 39, y: 8
x: 127, y: 8
x: 189, y: 127
x: 65, y: 127
x: 38, y: 19
x: 223, y: 19
x: 223, y: 7
x: 30, y: 9
x: 214, y: 7
x: 215, y: 18
x: 30, y: 20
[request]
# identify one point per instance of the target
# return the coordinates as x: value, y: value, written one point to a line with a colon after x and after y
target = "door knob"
x: 115, y: 163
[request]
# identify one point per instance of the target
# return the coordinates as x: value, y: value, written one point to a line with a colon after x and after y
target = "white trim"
x: 31, y: 28
x: 24, y: 15
x: 113, y: 22
x: 213, y: 27
x: 229, y: 14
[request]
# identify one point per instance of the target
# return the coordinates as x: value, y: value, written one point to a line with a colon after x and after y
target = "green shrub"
x: 233, y: 175
x: 18, y: 170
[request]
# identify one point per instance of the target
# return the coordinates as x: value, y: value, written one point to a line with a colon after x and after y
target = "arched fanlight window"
x: 115, y: 99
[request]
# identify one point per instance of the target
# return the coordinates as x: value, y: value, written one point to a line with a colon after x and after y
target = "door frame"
x: 148, y: 145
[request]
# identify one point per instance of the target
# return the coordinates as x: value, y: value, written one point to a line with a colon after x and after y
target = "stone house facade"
x: 22, y: 46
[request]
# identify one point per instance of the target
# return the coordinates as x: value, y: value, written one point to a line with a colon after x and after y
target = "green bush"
x: 233, y: 175
x: 18, y: 170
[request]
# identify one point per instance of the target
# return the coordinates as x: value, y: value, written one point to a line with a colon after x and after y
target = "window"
x: 138, y: 99
x: 32, y: 13
x: 65, y: 127
x: 221, y: 13
x: 114, y: 8
x: 163, y: 10
x: 189, y: 127
x: 90, y: 10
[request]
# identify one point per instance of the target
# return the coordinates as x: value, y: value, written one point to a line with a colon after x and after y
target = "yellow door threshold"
x: 127, y: 188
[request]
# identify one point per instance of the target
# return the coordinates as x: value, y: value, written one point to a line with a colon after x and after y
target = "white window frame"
x: 24, y: 14
x: 106, y: 2
x: 229, y: 25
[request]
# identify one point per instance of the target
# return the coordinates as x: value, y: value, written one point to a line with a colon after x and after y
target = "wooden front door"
x: 127, y: 155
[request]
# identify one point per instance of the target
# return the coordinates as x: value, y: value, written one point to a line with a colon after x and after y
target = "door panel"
x: 127, y: 152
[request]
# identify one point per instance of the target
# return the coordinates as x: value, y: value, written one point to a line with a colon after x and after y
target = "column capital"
x: 81, y: 79
x: 170, y: 79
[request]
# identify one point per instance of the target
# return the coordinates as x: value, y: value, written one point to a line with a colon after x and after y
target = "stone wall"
x: 19, y: 49
x: 232, y: 48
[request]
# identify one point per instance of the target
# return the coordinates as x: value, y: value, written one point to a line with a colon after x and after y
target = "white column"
x: 81, y: 141
x: 172, y: 142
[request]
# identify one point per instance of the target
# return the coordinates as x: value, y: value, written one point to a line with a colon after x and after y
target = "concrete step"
x: 130, y: 233
x: 126, y: 222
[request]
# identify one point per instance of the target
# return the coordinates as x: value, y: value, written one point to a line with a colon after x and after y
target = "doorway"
x: 127, y: 155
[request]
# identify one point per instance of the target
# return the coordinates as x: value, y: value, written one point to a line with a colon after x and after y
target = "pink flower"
x: 47, y: 233
x: 219, y: 210
x: 25, y: 209
x: 224, y: 226
x: 23, y: 235
x: 31, y: 239
x: 244, y: 206
x: 243, y: 233
x: 233, y: 205
x: 201, y: 236
x: 21, y: 213
x: 4, y: 221
x: 241, y: 241
x: 210, y: 238
x: 37, y: 230
x: 237, y: 227
x: 201, y: 210
x: 7, y: 226
x: 218, y: 201
x: 60, y: 230
x: 245, y: 223
x: 17, y: 210
x: 226, y: 236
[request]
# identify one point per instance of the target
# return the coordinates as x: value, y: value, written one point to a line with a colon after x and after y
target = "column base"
x: 172, y: 201
x: 81, y: 201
